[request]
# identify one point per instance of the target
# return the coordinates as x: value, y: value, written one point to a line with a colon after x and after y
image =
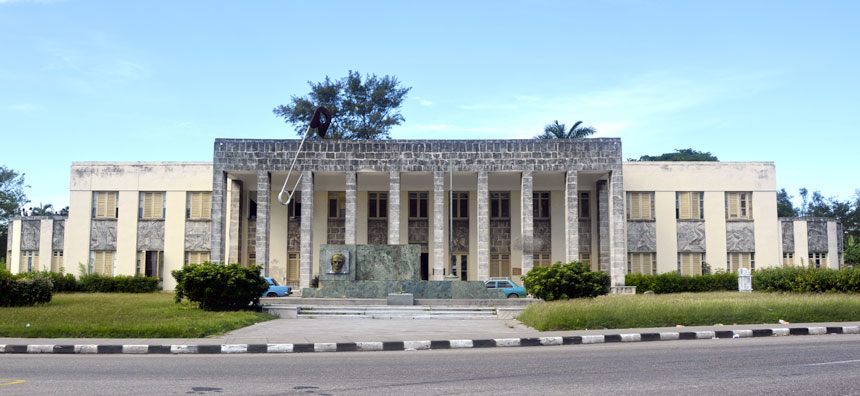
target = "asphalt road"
x: 804, y: 365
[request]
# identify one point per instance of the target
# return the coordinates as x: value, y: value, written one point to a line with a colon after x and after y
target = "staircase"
x: 396, y: 312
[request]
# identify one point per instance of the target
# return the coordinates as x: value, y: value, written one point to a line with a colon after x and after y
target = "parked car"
x: 510, y: 288
x: 276, y: 290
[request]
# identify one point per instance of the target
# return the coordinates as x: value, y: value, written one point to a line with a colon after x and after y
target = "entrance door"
x: 152, y: 264
x: 425, y: 271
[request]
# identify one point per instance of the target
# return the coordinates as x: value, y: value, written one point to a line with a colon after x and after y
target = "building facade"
x: 477, y: 208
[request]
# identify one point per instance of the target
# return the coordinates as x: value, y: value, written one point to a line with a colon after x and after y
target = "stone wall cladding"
x: 418, y: 233
x: 500, y: 236
x: 377, y: 232
x: 9, y: 240
x: 460, y: 242
x: 197, y: 235
x: 817, y: 236
x: 691, y: 236
x: 103, y: 235
x: 641, y: 236
x: 584, y: 236
x: 788, y: 236
x: 336, y: 231
x: 839, y: 237
x: 59, y: 235
x: 30, y: 234
x: 264, y: 207
x: 394, y: 207
x: 543, y: 235
x: 740, y: 236
x: 150, y: 235
x: 603, y: 225
x: 294, y: 235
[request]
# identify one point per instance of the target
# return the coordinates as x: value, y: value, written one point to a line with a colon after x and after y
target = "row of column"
x: 611, y: 218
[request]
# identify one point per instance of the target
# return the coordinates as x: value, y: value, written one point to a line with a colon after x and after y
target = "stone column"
x: 235, y: 221
x: 618, y: 237
x: 306, y: 241
x: 527, y: 223
x: 439, y: 217
x: 603, y: 226
x: 394, y: 208
x: 351, y: 209
x: 264, y: 204
x: 571, y: 209
x: 216, y: 230
x: 483, y: 226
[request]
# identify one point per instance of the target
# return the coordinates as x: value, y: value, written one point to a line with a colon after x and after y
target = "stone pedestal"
x: 400, y: 299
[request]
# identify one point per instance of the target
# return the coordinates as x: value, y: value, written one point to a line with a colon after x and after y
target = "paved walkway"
x: 297, y: 331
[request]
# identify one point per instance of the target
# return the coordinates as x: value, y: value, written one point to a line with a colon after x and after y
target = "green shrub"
x: 807, y: 280
x: 562, y: 281
x: 62, y: 283
x: 97, y: 283
x: 671, y: 282
x: 16, y: 291
x: 216, y: 287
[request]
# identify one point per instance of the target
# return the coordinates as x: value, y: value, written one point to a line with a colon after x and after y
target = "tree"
x: 559, y: 131
x: 687, y: 154
x: 11, y: 198
x: 784, y: 207
x: 359, y: 109
x: 43, y: 210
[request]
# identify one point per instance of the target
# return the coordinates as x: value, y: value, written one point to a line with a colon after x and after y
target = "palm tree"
x: 558, y: 131
x: 44, y: 210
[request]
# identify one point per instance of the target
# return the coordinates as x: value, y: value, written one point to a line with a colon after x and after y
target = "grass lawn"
x: 690, y: 309
x: 119, y: 315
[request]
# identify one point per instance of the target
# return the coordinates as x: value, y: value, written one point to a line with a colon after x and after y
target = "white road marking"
x: 839, y: 362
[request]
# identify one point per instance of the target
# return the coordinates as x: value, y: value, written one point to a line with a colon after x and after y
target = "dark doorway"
x: 425, y: 261
x: 152, y: 264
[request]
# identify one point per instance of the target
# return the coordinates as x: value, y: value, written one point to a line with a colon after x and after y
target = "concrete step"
x: 414, y: 309
x: 510, y: 302
x: 408, y: 317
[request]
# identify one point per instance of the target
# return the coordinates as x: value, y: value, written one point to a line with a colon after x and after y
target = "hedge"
x: 216, y: 287
x: 671, y: 282
x: 807, y: 280
x: 96, y: 283
x: 562, y: 281
x: 16, y: 291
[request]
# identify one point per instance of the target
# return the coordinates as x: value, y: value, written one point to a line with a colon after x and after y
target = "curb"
x: 418, y: 345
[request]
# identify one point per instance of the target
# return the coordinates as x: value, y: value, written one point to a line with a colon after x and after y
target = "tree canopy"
x: 12, y: 197
x: 687, y: 154
x: 360, y: 109
x: 559, y: 131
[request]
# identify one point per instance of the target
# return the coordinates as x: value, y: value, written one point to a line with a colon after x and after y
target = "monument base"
x: 419, y: 289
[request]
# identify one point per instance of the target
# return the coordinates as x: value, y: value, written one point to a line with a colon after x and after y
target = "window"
x: 151, y: 205
x: 377, y: 205
x: 460, y: 205
x: 540, y: 205
x: 252, y: 205
x: 740, y: 260
x: 336, y: 205
x: 102, y: 262
x: 194, y: 258
x: 584, y: 205
x: 418, y: 205
x: 642, y: 263
x: 57, y: 261
x: 585, y: 258
x: 500, y: 205
x: 738, y: 205
x: 150, y: 263
x: 690, y: 263
x: 640, y: 205
x: 788, y: 259
x: 105, y: 204
x: 818, y: 260
x: 294, y: 209
x: 29, y: 261
x: 542, y: 259
x: 688, y: 205
x: 500, y: 265
x: 198, y: 205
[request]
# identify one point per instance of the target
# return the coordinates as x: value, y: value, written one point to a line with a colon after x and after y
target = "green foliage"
x: 217, y: 287
x: 360, y: 109
x: 16, y: 291
x: 807, y: 280
x: 852, y: 251
x: 12, y: 197
x: 687, y: 154
x: 671, y: 282
x: 562, y: 281
x: 559, y: 131
x: 97, y: 283
x: 784, y: 207
x: 61, y: 283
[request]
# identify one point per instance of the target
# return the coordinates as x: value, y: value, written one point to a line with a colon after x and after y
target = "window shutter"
x: 645, y: 212
x: 694, y: 205
x: 195, y: 205
x: 653, y: 257
x: 110, y: 208
x: 158, y: 205
x: 734, y: 206
x: 685, y: 264
x: 684, y: 205
x: 745, y: 260
x: 101, y: 204
x: 147, y: 205
x: 696, y: 262
x: 635, y: 206
x: 205, y: 205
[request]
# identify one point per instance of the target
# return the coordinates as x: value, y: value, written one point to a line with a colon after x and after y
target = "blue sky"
x: 159, y: 80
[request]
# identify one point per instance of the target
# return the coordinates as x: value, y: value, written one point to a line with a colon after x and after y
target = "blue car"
x: 508, y: 287
x: 276, y: 290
